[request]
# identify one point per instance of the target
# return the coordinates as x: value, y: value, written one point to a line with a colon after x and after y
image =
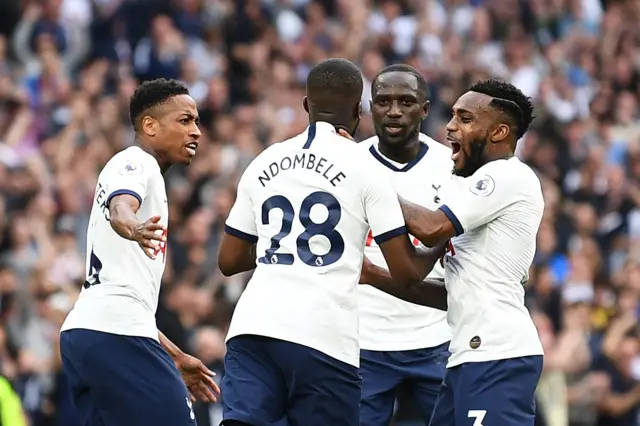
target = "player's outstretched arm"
x: 236, y: 255
x: 123, y: 220
x: 431, y: 227
x: 431, y: 292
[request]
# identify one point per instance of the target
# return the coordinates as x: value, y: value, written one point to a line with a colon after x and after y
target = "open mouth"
x: 393, y: 129
x: 191, y: 148
x: 456, y: 148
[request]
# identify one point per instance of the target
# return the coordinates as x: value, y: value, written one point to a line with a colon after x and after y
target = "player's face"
x: 468, y: 132
x: 178, y: 133
x: 397, y: 108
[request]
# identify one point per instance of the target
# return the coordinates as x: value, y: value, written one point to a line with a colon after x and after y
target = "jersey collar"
x: 313, y: 129
x: 376, y: 154
x: 323, y: 126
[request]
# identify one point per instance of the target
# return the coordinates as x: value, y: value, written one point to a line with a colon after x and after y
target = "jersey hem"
x: 486, y: 357
x: 153, y: 336
x: 404, y: 347
x: 355, y: 362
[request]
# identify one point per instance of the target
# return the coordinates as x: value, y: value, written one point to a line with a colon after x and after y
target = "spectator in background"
x: 159, y: 54
x: 68, y: 67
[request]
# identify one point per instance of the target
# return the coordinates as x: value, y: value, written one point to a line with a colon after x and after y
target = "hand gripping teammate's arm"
x: 408, y: 265
x: 430, y: 292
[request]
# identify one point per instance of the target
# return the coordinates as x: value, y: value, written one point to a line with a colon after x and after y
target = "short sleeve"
x: 476, y: 200
x: 128, y: 175
x: 241, y: 222
x: 382, y: 208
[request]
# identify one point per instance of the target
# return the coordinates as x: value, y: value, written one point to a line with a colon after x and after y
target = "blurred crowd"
x: 68, y: 68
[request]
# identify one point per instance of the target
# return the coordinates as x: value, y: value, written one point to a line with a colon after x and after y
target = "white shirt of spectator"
x: 497, y: 213
x: 309, y: 203
x: 386, y: 322
x: 120, y: 295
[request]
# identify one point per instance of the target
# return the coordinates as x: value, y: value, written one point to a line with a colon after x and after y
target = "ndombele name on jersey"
x: 304, y: 161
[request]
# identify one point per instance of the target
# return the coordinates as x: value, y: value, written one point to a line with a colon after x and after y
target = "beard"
x: 407, y: 137
x: 473, y: 159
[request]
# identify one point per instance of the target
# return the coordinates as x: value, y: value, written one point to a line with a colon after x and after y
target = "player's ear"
x: 425, y: 109
x: 358, y: 110
x: 500, y: 133
x: 149, y: 125
x: 305, y: 104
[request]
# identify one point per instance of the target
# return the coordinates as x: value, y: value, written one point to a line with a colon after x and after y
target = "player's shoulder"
x: 132, y: 161
x: 367, y: 143
x: 510, y: 173
x: 271, y: 152
x: 509, y: 166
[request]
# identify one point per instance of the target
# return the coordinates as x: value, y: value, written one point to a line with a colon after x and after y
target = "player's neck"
x: 405, y: 153
x: 332, y: 119
x: 164, y: 166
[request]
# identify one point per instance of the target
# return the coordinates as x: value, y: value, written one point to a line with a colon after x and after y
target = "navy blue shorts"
x: 272, y: 382
x: 489, y: 393
x: 421, y: 371
x: 123, y: 381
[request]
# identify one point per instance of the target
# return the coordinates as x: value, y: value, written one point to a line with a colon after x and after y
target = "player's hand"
x: 198, y: 378
x: 147, y: 238
x: 345, y: 134
x: 443, y: 249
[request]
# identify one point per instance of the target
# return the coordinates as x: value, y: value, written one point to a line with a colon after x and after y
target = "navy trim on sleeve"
x: 386, y: 236
x: 239, y: 234
x: 454, y: 220
x: 123, y: 192
x: 311, y: 135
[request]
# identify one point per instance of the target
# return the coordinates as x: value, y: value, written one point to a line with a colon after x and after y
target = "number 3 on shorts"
x: 478, y: 415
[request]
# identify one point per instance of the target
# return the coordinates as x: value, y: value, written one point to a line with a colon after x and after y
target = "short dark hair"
x: 423, y: 87
x: 335, y: 78
x: 510, y: 100
x: 152, y: 93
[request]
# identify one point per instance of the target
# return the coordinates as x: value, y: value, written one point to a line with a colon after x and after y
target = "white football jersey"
x: 120, y: 294
x: 496, y: 213
x: 386, y: 322
x: 309, y: 203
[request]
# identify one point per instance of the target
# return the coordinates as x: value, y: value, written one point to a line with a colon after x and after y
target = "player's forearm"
x: 426, y: 225
x: 171, y: 348
x: 427, y: 257
x: 430, y: 292
x: 123, y: 220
